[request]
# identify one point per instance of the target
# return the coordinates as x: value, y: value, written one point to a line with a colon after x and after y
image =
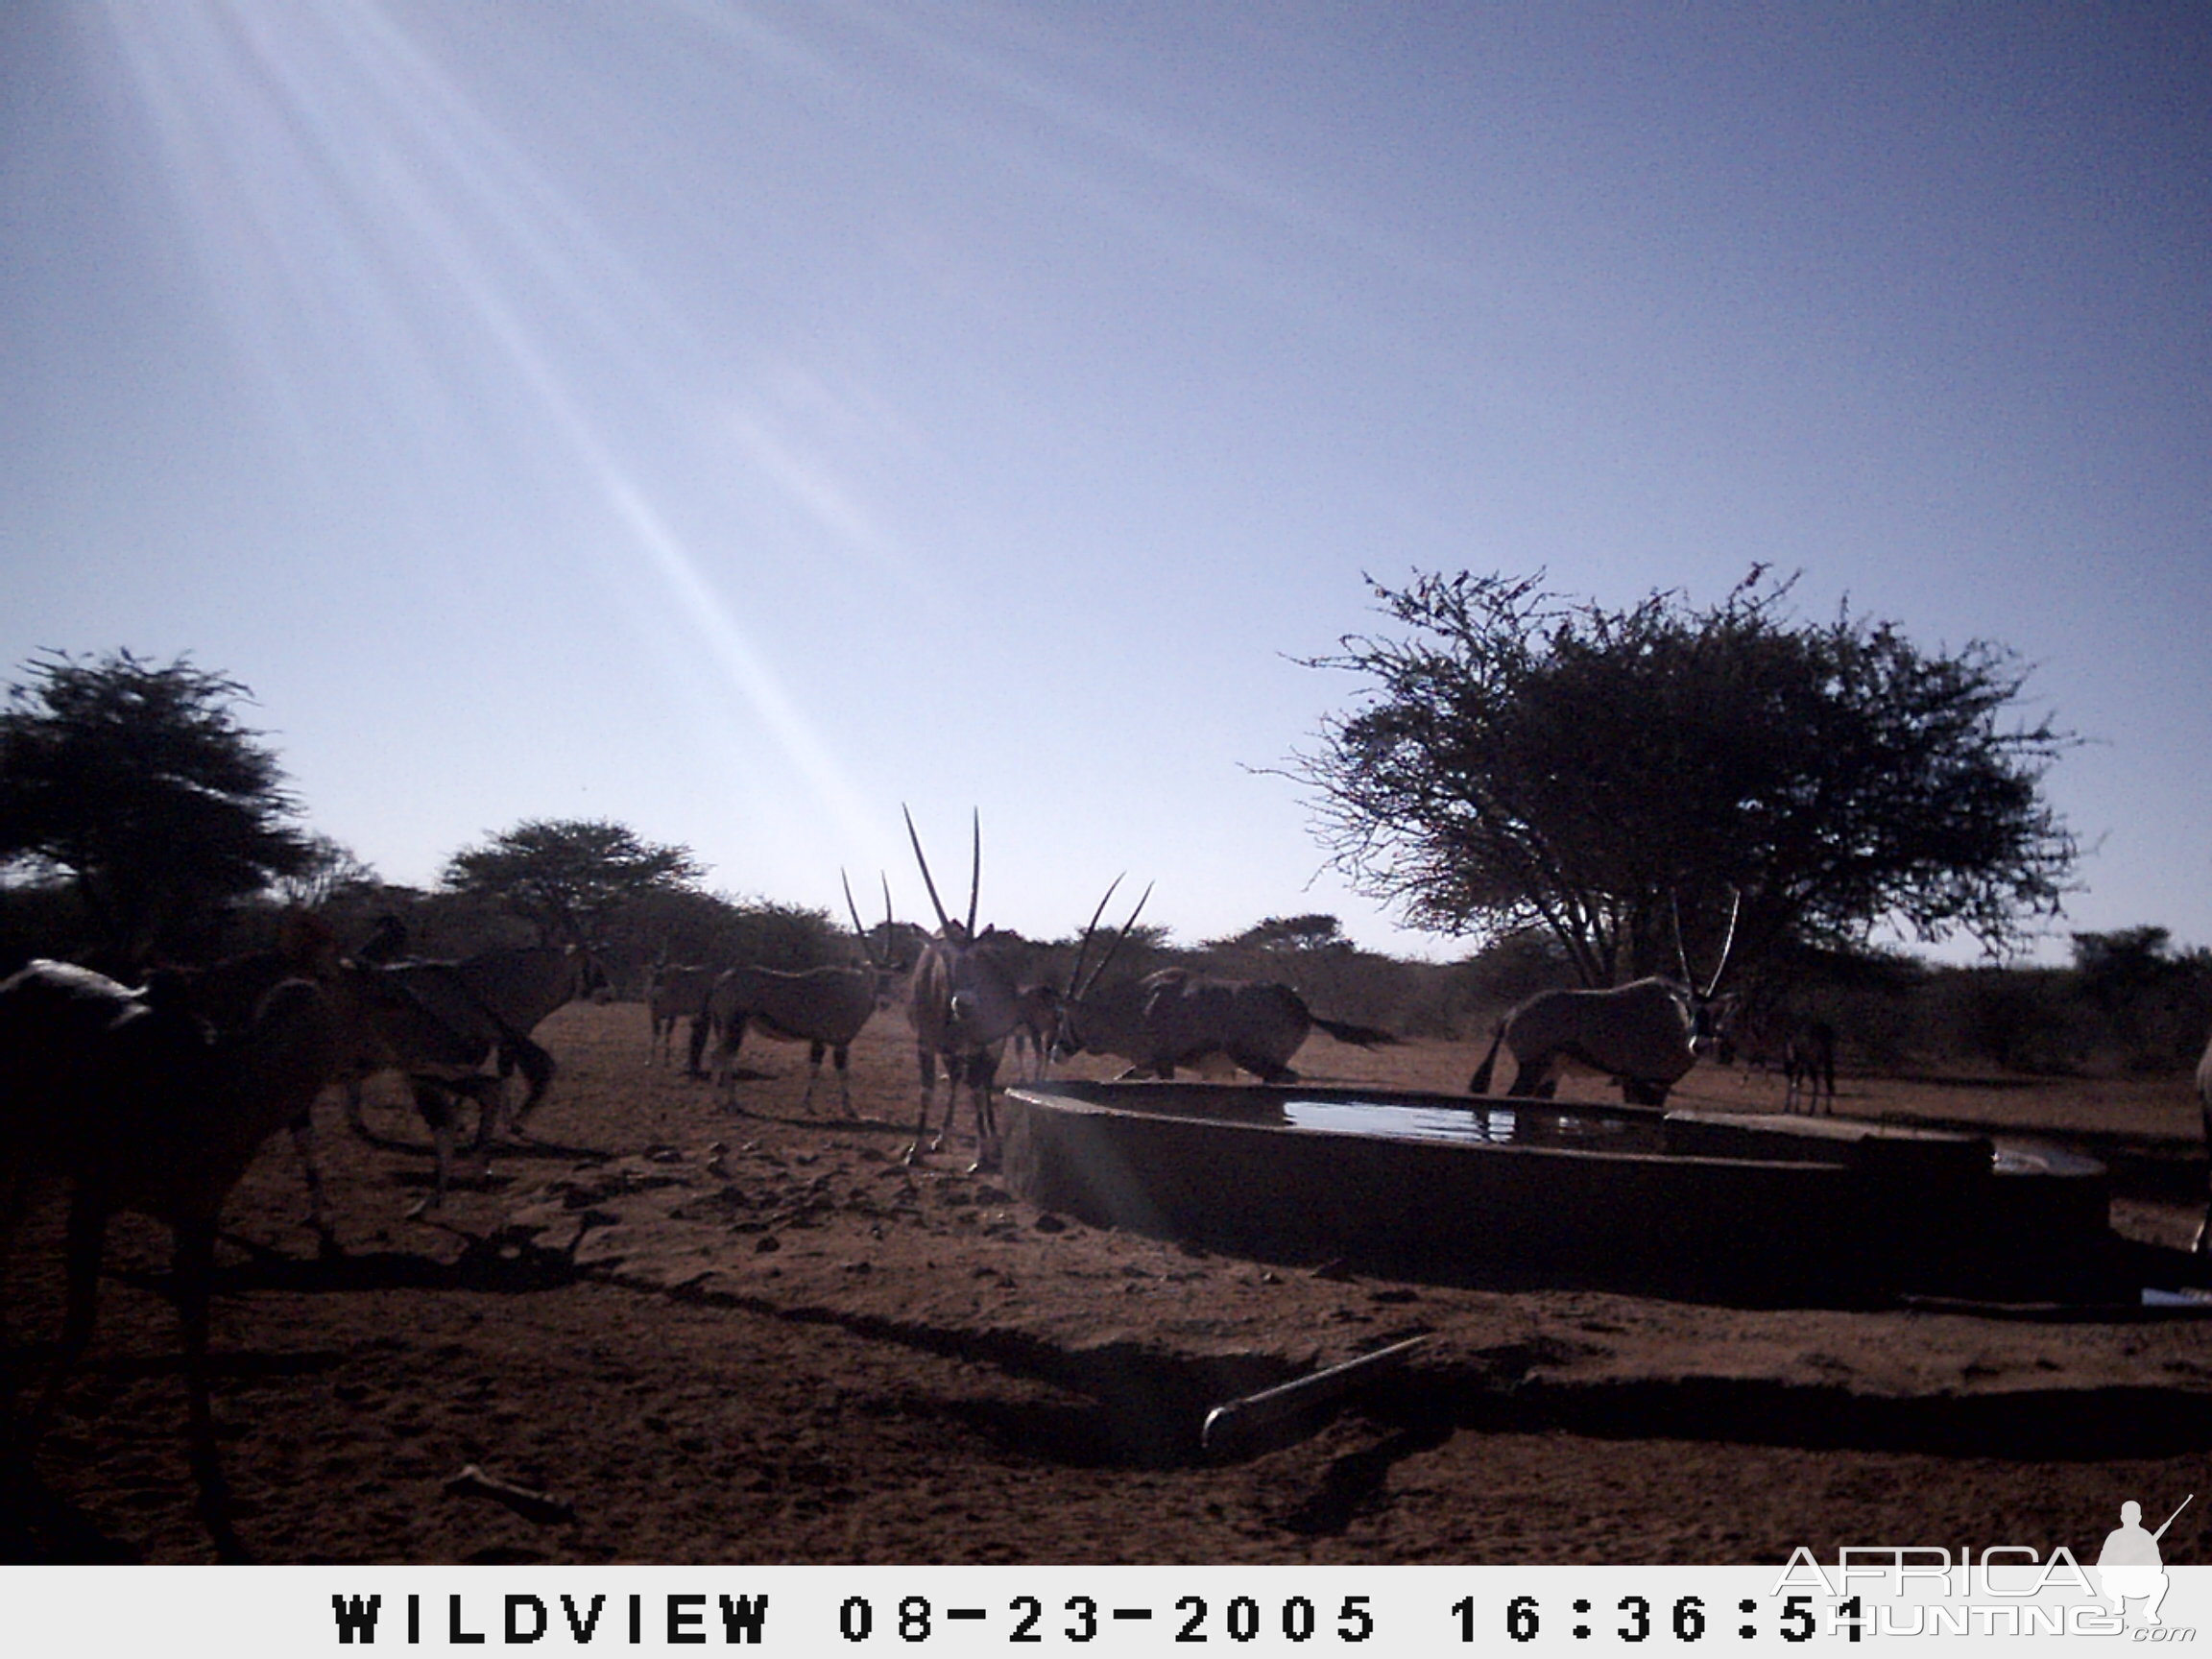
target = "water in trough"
x: 1521, y: 1124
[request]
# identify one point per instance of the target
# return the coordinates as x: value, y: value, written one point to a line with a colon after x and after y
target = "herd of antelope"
x: 968, y: 1003
x: 155, y: 1099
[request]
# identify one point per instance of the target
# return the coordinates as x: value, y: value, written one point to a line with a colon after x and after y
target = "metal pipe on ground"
x: 1241, y: 1426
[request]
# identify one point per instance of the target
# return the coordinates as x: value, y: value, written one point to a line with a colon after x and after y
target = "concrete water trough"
x: 1493, y: 1190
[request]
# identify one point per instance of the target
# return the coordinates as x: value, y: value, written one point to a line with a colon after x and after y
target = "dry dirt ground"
x: 804, y: 1350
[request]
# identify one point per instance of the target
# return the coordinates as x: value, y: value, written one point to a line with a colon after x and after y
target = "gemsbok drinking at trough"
x: 678, y: 992
x: 1176, y: 1018
x: 964, y: 1006
x: 1645, y: 1034
x: 132, y: 1097
x: 822, y: 1007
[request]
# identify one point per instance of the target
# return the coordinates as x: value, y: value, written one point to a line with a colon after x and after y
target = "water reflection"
x: 1530, y: 1124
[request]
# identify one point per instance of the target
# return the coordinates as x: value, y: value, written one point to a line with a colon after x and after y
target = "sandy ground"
x: 803, y: 1350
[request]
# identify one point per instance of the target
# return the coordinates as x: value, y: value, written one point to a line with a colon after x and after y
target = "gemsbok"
x: 1645, y: 1034
x: 1801, y: 1046
x: 417, y: 1019
x: 822, y: 1007
x: 443, y: 1026
x: 964, y: 1005
x: 1177, y: 1019
x: 132, y: 1098
x: 521, y: 986
x: 223, y: 995
x: 1035, y: 1031
x: 1809, y: 1065
x: 672, y: 993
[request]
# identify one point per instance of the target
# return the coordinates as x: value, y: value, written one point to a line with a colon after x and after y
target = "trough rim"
x: 1044, y: 1095
x: 2062, y: 1163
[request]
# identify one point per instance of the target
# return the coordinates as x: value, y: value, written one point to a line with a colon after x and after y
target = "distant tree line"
x: 142, y: 819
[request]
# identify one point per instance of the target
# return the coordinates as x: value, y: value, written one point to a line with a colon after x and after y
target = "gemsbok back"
x: 1645, y: 1034
x: 139, y: 1105
x: 964, y: 1005
x: 1176, y: 1018
x: 822, y: 1007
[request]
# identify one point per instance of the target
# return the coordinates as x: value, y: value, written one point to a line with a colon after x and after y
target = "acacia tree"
x: 568, y: 875
x: 138, y: 782
x: 1288, y: 935
x: 328, y: 873
x: 1521, y: 759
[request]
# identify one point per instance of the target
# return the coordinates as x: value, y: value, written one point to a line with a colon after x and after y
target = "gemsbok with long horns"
x: 822, y: 1007
x: 1176, y: 1018
x: 140, y: 1105
x: 1645, y: 1034
x: 964, y: 1004
x: 521, y: 986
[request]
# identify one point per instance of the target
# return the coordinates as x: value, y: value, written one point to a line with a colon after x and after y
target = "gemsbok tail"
x: 1359, y: 1036
x: 1479, y: 1082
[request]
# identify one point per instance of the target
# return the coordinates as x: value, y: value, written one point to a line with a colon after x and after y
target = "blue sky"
x: 739, y: 420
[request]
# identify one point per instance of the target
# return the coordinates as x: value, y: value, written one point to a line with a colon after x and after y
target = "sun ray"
x: 366, y: 223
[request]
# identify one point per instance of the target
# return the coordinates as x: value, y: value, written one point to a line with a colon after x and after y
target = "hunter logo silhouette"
x: 2130, y: 1566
